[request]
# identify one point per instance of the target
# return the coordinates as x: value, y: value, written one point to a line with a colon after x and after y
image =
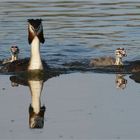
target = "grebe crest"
x: 107, y: 61
x: 120, y: 53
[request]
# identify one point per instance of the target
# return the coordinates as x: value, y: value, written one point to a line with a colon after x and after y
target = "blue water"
x: 78, y: 105
x: 74, y: 29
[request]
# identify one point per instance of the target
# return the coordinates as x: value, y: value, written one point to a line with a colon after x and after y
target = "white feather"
x: 35, y: 60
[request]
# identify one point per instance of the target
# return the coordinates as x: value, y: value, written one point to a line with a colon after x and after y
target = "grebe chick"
x: 14, y: 55
x: 35, y: 37
x: 107, y: 61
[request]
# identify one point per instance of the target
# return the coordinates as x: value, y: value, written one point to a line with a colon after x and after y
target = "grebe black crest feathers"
x: 35, y: 28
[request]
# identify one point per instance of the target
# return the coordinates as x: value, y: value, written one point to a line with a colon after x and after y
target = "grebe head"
x: 35, y: 28
x: 14, y: 50
x: 120, y: 52
x: 36, y: 120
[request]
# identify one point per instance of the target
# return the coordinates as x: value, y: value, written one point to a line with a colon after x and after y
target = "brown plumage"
x: 108, y: 61
x: 102, y: 61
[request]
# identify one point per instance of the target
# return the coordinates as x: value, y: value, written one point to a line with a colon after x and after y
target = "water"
x: 74, y: 29
x: 78, y: 105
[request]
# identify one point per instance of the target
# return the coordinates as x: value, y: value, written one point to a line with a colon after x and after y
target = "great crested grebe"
x: 35, y: 37
x: 14, y: 55
x: 107, y: 61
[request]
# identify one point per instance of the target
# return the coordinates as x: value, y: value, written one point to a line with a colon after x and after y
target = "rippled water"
x: 74, y: 29
x: 78, y: 105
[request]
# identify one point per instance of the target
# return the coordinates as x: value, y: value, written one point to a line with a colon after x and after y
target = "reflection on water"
x: 36, y: 119
x: 85, y: 101
x: 36, y: 111
x: 135, y: 77
x: 75, y: 30
x: 35, y: 83
x: 120, y: 81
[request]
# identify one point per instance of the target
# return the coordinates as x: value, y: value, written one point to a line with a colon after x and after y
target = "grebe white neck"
x: 14, y: 57
x: 35, y: 60
x: 118, y: 61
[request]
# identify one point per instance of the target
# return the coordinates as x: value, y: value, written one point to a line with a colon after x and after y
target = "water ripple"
x: 73, y: 29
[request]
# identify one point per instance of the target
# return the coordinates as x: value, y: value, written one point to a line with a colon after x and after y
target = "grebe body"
x: 108, y: 61
x: 14, y: 55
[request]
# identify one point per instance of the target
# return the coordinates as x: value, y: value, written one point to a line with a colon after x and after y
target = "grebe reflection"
x: 35, y: 84
x: 120, y: 81
x: 36, y: 110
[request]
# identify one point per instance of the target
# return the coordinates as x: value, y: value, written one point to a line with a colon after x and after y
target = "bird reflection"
x: 35, y: 84
x: 135, y: 77
x: 36, y: 112
x: 13, y: 84
x: 120, y: 81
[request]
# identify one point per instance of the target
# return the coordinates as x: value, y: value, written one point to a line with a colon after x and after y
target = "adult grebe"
x: 35, y: 37
x: 107, y: 61
x: 14, y: 55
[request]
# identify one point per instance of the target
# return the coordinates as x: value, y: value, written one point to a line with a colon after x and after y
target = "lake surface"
x: 74, y: 30
x: 78, y: 105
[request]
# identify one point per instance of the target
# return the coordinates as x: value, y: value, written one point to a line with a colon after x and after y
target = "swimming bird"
x: 107, y: 61
x: 14, y: 55
x: 112, y: 65
x: 35, y: 37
